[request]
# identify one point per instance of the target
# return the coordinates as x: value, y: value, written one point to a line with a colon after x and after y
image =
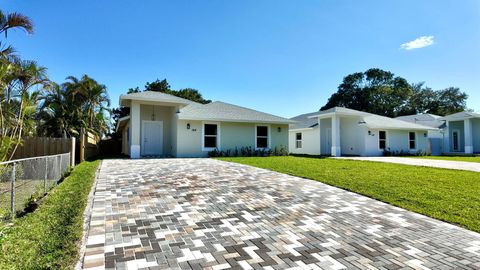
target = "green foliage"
x: 448, y: 195
x: 163, y: 87
x: 381, y: 92
x: 48, y: 238
x: 395, y: 153
x: 249, y: 151
x: 77, y: 103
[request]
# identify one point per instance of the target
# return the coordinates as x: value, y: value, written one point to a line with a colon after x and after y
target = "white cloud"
x: 420, y: 42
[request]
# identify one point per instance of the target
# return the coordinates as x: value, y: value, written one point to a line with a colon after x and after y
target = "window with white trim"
x: 210, y: 135
x: 382, y: 140
x: 298, y: 140
x: 262, y: 137
x: 412, y: 140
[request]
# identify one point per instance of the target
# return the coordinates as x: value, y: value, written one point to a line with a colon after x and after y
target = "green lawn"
x: 455, y: 158
x: 448, y: 195
x: 49, y: 237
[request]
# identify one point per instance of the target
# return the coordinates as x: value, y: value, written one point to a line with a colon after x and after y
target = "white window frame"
x: 414, y: 140
x: 298, y: 141
x: 218, y: 136
x: 269, y: 136
x: 386, y: 140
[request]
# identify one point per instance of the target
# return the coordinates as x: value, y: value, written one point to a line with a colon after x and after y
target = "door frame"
x: 142, y: 144
x: 458, y: 140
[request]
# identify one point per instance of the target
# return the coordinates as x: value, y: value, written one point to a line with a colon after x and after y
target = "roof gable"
x: 153, y: 96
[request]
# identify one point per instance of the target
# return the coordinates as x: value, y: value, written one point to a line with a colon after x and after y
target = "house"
x: 341, y: 131
x: 462, y: 133
x: 164, y: 125
x: 435, y: 136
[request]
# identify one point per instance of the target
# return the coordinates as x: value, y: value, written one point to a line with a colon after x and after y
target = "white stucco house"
x: 462, y: 133
x: 340, y: 131
x: 164, y: 125
x: 436, y: 136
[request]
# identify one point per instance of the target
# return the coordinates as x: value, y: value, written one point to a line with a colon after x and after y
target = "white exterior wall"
x: 310, y: 141
x: 397, y: 141
x: 189, y: 141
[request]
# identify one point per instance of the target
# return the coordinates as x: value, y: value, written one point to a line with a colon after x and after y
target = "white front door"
x: 152, y: 138
x: 328, y: 142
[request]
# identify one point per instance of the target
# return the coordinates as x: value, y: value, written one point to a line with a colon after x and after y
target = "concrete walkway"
x: 444, y: 164
x: 208, y: 214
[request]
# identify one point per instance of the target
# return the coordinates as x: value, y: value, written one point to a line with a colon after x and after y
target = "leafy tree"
x: 20, y: 81
x: 158, y: 86
x: 381, y: 92
x: 77, y: 103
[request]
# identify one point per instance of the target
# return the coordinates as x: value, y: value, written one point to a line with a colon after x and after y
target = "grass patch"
x: 448, y: 195
x: 49, y: 237
x: 454, y: 158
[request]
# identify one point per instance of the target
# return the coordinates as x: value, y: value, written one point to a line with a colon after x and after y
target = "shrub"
x: 249, y: 151
x: 48, y: 238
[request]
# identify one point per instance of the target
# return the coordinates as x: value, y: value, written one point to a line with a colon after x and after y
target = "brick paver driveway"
x: 204, y: 213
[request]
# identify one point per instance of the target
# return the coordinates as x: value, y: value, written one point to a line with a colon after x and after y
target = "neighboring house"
x: 436, y: 136
x: 462, y: 133
x: 340, y: 131
x: 164, y: 125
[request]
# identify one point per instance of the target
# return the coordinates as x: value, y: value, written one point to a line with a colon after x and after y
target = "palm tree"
x: 77, y: 103
x: 93, y: 101
x: 18, y: 101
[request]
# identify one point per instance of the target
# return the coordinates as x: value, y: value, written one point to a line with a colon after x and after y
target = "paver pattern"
x: 435, y: 163
x: 210, y: 214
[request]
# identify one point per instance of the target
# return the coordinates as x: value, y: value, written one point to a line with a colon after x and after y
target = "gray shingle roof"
x: 461, y: 116
x: 155, y: 96
x: 381, y: 122
x: 303, y: 121
x: 368, y: 119
x: 221, y: 111
x: 425, y: 119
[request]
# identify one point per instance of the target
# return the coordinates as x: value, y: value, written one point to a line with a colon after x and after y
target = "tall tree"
x: 19, y: 83
x: 381, y: 92
x: 77, y: 103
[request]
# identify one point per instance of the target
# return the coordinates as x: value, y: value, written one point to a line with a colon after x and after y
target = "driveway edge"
x: 87, y: 214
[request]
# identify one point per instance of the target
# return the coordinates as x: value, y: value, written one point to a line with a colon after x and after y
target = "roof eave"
x: 237, y: 120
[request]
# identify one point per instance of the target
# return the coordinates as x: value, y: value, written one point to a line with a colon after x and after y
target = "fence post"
x: 12, y: 189
x: 72, y: 151
x: 45, y: 179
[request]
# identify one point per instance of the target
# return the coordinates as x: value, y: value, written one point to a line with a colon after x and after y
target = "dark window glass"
x: 262, y: 142
x: 412, y: 144
x: 262, y: 131
x: 210, y: 129
x: 298, y: 144
x: 299, y: 136
x: 382, y: 144
x: 382, y: 135
x: 210, y: 142
x: 411, y: 136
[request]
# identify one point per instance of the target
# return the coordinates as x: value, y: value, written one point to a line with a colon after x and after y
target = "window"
x: 382, y: 140
x: 210, y: 135
x: 411, y: 140
x: 262, y: 137
x: 298, y: 141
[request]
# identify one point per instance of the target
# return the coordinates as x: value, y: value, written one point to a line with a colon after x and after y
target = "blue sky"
x: 281, y: 57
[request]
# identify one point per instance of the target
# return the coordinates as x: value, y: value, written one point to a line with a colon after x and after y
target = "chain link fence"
x: 24, y: 180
